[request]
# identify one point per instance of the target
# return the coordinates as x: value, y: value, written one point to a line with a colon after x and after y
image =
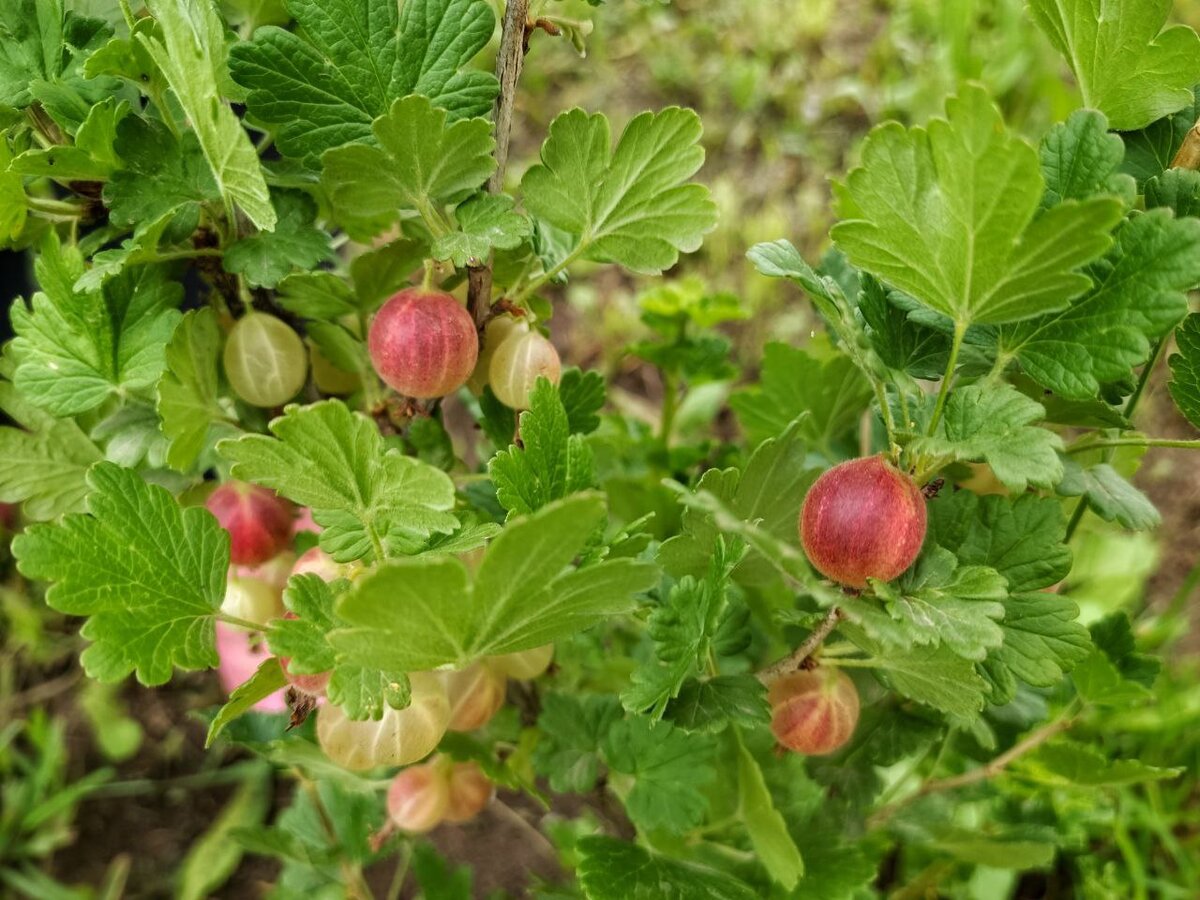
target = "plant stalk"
x: 509, y: 60
x: 796, y: 658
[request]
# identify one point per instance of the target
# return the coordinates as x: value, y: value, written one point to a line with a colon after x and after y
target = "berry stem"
x: 796, y: 658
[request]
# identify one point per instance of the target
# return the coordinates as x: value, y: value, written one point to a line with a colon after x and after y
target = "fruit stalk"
x: 796, y: 658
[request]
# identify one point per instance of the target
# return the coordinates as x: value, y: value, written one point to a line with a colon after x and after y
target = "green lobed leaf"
x: 678, y: 627
x: 191, y: 54
x: 712, y: 704
x: 573, y: 727
x: 551, y: 464
x: 610, y: 869
x: 949, y: 214
x: 1177, y: 190
x: 900, y: 342
x: 1138, y: 295
x: 423, y: 160
x: 417, y: 614
x: 160, y: 174
x: 768, y: 493
x: 44, y: 462
x: 77, y: 348
x: 360, y: 691
x: 354, y: 59
x: 1185, y: 369
x: 1127, y: 63
x: 485, y: 222
x: 91, y: 158
x: 631, y: 204
x: 188, y: 389
x: 1109, y: 495
x: 316, y: 295
x: 670, y: 768
x: 330, y: 459
x: 148, y: 575
x: 818, y: 381
x: 1080, y: 159
x: 993, y: 424
x: 264, y: 259
x: 1150, y: 151
x: 582, y: 395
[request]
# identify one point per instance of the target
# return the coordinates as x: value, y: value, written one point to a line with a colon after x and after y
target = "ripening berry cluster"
x: 422, y: 343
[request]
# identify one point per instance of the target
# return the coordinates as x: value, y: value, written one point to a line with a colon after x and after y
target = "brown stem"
x: 984, y: 772
x: 797, y: 657
x: 1188, y: 156
x: 508, y: 71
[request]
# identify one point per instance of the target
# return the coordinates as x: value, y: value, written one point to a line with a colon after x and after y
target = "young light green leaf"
x: 187, y: 391
x: 332, y: 460
x: 423, y: 161
x: 266, y: 680
x: 191, y: 54
x: 44, y: 463
x: 137, y: 250
x: 767, y: 828
x: 551, y: 464
x: 485, y: 222
x: 1137, y: 297
x: 630, y: 205
x: 993, y: 424
x: 90, y: 158
x: 1109, y: 495
x: 357, y: 57
x: 817, y: 380
x: 77, y: 348
x: 265, y: 258
x: 360, y: 691
x: 149, y: 575
x: 1185, y: 369
x: 949, y: 214
x: 418, y: 614
x: 1127, y: 65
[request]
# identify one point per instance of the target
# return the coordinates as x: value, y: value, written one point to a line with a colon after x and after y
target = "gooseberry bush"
x: 289, y: 403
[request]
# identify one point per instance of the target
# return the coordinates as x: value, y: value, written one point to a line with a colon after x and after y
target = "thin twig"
x: 796, y: 658
x: 982, y: 773
x: 508, y: 70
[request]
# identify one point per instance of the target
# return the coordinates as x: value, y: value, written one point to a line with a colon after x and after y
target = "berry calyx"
x: 498, y: 330
x: 862, y: 519
x: 524, y: 665
x: 418, y: 797
x: 813, y: 712
x: 476, y: 693
x: 519, y: 362
x: 469, y: 792
x: 265, y: 360
x: 400, y: 737
x: 423, y: 344
x: 259, y: 521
